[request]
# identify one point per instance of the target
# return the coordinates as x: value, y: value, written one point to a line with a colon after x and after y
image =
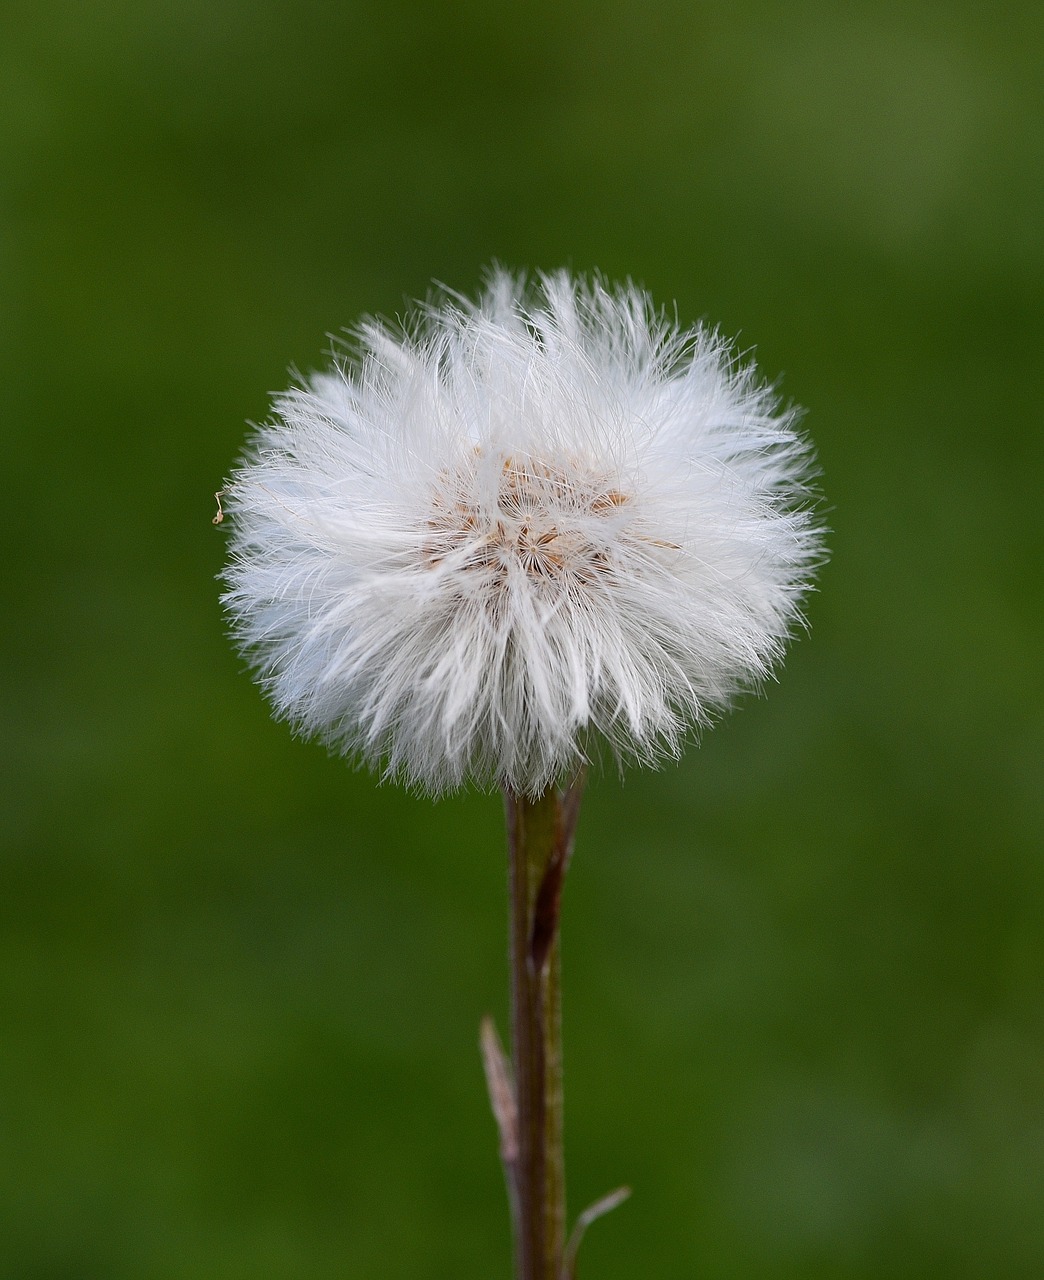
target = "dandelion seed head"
x: 515, y: 528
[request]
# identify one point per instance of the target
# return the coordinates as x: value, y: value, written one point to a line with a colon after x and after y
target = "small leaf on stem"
x: 589, y: 1215
x: 501, y: 1090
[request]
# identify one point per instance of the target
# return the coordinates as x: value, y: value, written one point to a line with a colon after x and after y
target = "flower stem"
x: 540, y: 841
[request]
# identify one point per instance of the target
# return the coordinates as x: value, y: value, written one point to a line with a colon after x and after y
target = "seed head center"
x: 541, y: 519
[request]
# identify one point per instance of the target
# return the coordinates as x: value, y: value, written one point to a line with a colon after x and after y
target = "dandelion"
x: 492, y: 542
x: 517, y: 530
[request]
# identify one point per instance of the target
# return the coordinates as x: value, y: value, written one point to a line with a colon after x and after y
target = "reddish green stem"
x: 540, y: 841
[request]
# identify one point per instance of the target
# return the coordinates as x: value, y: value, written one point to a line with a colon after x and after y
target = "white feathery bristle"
x: 483, y: 544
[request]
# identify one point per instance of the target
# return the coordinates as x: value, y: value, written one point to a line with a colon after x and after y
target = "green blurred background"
x: 240, y: 984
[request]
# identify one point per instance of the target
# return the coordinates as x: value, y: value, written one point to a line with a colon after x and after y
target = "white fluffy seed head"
x: 521, y: 526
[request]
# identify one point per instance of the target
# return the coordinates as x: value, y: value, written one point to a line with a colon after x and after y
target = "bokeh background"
x: 240, y: 983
